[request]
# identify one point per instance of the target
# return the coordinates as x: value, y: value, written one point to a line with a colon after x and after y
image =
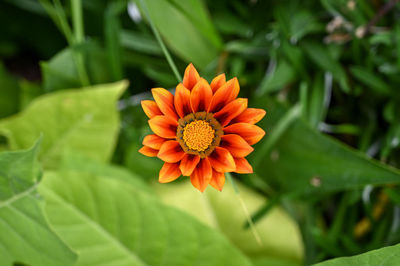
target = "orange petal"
x: 230, y: 111
x: 171, y: 152
x: 201, y: 175
x: 217, y: 82
x: 221, y: 160
x: 150, y: 108
x: 251, y: 133
x: 148, y: 151
x: 224, y: 95
x: 217, y: 180
x: 250, y: 115
x: 191, y: 77
x: 169, y: 172
x: 164, y: 126
x: 200, y: 97
x: 243, y: 166
x: 236, y: 145
x: 188, y: 164
x: 153, y: 141
x: 165, y: 101
x: 182, y: 100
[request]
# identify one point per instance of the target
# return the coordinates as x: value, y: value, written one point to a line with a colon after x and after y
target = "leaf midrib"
x: 95, y: 225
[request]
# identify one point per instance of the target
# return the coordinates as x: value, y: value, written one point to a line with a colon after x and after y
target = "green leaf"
x: 139, y: 42
x: 304, y: 160
x: 278, y: 78
x: 25, y: 236
x: 387, y: 256
x: 85, y: 121
x: 279, y: 234
x: 371, y: 80
x: 181, y: 33
x: 19, y: 171
x: 112, y: 222
x: 60, y: 71
x: 321, y: 56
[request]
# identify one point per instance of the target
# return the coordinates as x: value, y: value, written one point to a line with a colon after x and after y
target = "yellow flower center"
x: 198, y: 135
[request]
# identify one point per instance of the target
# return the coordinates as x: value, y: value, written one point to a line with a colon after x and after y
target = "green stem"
x: 79, y: 35
x: 161, y: 43
x: 77, y: 20
x: 245, y: 210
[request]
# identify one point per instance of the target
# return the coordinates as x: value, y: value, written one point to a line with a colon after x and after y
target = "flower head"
x: 203, y: 131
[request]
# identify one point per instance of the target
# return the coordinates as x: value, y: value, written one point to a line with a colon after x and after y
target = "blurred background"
x: 327, y: 72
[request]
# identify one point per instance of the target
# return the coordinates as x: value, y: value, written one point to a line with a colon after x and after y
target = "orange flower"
x: 202, y: 131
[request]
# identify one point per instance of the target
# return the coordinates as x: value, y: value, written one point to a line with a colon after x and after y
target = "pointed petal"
x: 217, y: 180
x: 171, y: 152
x: 148, y: 151
x: 150, y: 108
x: 201, y: 175
x: 224, y: 95
x: 250, y: 133
x: 191, y: 77
x: 169, y: 172
x: 182, y: 100
x: 243, y: 166
x: 153, y: 141
x: 236, y: 145
x: 164, y: 126
x: 250, y: 115
x: 200, y: 97
x: 230, y: 111
x: 188, y: 164
x: 221, y: 160
x: 218, y: 82
x: 165, y: 101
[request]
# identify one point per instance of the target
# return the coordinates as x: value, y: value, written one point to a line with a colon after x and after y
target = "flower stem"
x: 245, y: 210
x: 161, y: 43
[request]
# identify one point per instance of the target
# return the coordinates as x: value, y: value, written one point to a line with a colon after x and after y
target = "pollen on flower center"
x: 198, y: 135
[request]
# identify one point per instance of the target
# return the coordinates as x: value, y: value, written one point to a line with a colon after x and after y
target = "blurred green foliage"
x: 326, y: 71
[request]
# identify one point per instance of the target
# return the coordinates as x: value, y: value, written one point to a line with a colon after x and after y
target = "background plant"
x: 326, y: 181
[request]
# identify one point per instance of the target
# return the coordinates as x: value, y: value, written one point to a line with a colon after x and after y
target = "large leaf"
x: 110, y: 221
x: 279, y: 234
x: 77, y: 120
x: 25, y: 236
x: 180, y: 32
x: 304, y: 160
x: 387, y: 256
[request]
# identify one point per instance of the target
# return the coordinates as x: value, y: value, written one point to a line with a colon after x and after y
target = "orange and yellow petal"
x: 250, y: 133
x: 148, y: 151
x: 164, y: 126
x: 171, y: 152
x: 217, y: 180
x: 191, y: 77
x: 201, y: 175
x: 243, y: 166
x: 236, y: 145
x: 221, y: 160
x: 169, y: 172
x: 218, y: 82
x: 165, y: 101
x: 224, y: 95
x: 150, y: 108
x: 153, y: 141
x: 188, y: 164
x: 230, y: 111
x: 182, y: 100
x: 200, y: 97
x: 250, y: 115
